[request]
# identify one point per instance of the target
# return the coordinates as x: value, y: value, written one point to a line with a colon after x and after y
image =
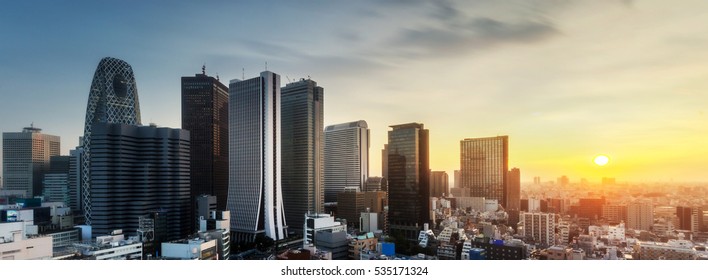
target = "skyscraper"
x: 302, y: 117
x: 255, y: 193
x: 484, y: 163
x: 384, y: 162
x: 513, y: 196
x: 136, y: 170
x: 439, y: 184
x: 205, y: 114
x: 74, y: 180
x: 408, y: 182
x: 513, y: 189
x: 346, y: 157
x: 25, y: 159
x: 113, y: 98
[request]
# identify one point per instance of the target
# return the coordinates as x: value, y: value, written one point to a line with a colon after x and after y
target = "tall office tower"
x: 439, y: 185
x: 513, y: 189
x: 113, y: 98
x: 457, y: 182
x: 205, y: 114
x: 513, y: 197
x: 74, y: 180
x: 408, y: 182
x: 346, y: 158
x: 255, y: 193
x: 136, y: 170
x: 640, y: 215
x: 302, y: 143
x: 56, y: 180
x: 25, y: 159
x: 484, y: 163
x: 540, y: 227
x: 384, y: 162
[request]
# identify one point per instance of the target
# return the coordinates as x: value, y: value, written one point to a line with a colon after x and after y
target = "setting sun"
x: 601, y: 160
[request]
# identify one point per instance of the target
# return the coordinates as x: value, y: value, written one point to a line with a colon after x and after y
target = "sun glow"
x: 601, y: 160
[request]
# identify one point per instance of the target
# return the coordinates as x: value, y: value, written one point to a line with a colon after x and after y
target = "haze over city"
x: 566, y: 81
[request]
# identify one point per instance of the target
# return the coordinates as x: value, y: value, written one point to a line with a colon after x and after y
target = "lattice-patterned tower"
x: 113, y: 99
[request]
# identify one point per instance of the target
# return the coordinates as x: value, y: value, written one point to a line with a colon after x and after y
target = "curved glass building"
x: 113, y: 98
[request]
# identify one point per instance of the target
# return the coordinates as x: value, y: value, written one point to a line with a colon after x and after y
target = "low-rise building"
x: 16, y: 244
x: 111, y: 247
x: 190, y: 249
x: 672, y: 250
x: 366, y: 242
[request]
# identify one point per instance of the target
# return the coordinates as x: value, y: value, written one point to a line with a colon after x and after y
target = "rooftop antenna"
x: 204, y: 69
x: 286, y: 76
x: 266, y: 65
x: 243, y: 75
x: 217, y: 76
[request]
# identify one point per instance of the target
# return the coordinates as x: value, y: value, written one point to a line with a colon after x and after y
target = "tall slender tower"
x: 408, y: 182
x: 205, y: 114
x: 346, y: 158
x: 113, y: 98
x: 255, y: 192
x: 25, y: 157
x: 484, y: 163
x: 302, y: 118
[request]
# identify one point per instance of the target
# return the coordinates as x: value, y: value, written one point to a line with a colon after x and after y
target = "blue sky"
x: 566, y: 80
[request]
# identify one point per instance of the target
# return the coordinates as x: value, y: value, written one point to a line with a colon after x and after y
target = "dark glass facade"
x: 205, y: 114
x: 136, y: 170
x: 302, y: 143
x: 408, y: 182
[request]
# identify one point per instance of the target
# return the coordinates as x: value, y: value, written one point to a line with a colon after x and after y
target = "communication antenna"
x: 204, y: 69
x: 266, y: 65
x: 217, y: 76
x: 243, y: 75
x: 286, y: 76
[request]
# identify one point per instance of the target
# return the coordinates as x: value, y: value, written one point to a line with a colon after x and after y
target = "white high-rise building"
x: 346, y: 157
x: 255, y: 193
x: 539, y: 226
x: 640, y: 215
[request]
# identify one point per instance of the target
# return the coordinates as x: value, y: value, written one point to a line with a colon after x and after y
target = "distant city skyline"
x: 565, y: 81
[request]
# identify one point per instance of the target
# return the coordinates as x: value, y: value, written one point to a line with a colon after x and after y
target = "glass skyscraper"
x: 484, y: 163
x: 113, y: 98
x: 205, y: 114
x: 409, y: 179
x: 302, y: 117
x: 255, y: 192
x: 346, y: 157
